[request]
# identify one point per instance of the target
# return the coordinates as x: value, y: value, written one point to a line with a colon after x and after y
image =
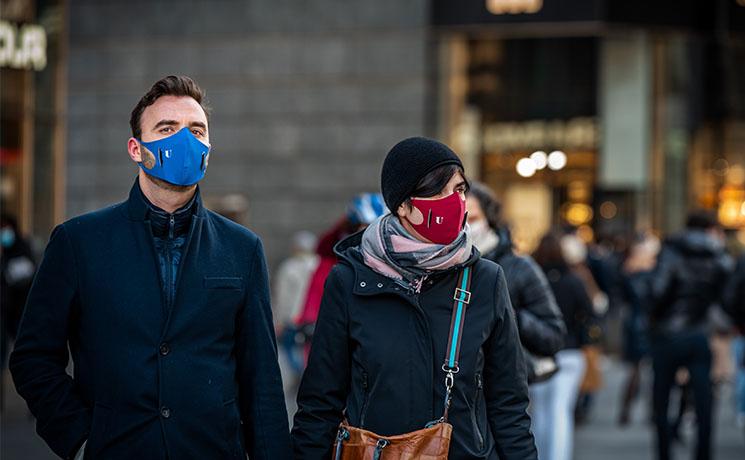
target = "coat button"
x: 165, y: 412
x: 363, y: 284
x: 164, y: 349
x: 380, y: 285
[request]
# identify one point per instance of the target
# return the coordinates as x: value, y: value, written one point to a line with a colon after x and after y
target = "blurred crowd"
x: 677, y: 302
x: 678, y: 305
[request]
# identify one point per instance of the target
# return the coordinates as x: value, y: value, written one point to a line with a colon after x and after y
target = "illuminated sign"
x: 579, y: 133
x: 23, y: 47
x: 514, y: 6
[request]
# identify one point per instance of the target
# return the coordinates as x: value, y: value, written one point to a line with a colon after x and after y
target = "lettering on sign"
x: 579, y: 133
x: 23, y: 47
x: 515, y: 6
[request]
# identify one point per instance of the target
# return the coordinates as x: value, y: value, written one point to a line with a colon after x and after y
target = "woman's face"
x: 410, y: 214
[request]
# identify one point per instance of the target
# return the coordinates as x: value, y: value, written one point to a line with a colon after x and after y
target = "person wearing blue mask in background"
x: 165, y: 308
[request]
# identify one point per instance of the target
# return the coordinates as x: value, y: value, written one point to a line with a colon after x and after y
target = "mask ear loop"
x: 465, y: 219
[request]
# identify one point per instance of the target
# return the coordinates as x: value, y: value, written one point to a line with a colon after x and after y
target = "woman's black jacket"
x: 377, y: 354
x: 539, y: 319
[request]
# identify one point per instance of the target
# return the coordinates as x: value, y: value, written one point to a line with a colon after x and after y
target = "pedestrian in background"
x: 379, y: 357
x: 555, y: 399
x: 539, y: 320
x: 164, y: 306
x: 362, y: 210
x: 734, y: 304
x: 636, y: 276
x: 689, y: 279
x: 576, y: 254
x: 290, y: 291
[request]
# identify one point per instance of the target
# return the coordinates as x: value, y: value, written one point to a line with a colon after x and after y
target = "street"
x: 599, y: 438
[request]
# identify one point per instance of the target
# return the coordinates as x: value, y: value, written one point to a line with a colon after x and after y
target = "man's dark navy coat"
x: 200, y: 380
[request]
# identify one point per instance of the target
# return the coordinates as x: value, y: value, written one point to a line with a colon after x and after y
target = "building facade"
x: 636, y: 111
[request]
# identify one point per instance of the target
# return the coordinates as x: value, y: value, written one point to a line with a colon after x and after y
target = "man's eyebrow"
x: 165, y: 123
x: 198, y: 124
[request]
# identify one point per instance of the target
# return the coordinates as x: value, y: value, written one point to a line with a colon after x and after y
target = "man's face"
x: 169, y: 114
x: 164, y: 118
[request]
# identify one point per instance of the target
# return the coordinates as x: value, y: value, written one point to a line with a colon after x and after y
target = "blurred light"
x: 608, y: 210
x: 577, y: 213
x: 557, y: 160
x: 540, y: 159
x: 736, y: 175
x: 586, y: 233
x: 513, y: 6
x: 741, y: 236
x: 526, y: 167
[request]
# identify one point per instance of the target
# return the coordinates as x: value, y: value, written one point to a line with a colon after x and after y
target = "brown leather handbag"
x: 431, y: 442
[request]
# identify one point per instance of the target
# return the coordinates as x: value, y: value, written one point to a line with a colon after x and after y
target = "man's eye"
x: 197, y: 132
x: 166, y: 129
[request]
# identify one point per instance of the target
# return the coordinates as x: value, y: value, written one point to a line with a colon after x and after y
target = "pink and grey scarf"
x: 389, y: 249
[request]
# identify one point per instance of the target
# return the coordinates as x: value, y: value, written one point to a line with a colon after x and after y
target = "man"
x: 165, y: 308
x: 689, y: 279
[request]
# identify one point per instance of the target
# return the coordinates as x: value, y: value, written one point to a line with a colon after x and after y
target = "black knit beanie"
x: 407, y: 163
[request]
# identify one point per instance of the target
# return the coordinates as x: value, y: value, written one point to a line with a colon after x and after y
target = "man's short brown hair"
x: 172, y: 85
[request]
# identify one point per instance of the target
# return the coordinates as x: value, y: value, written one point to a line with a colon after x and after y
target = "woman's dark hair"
x: 436, y: 180
x: 490, y: 206
x: 548, y: 253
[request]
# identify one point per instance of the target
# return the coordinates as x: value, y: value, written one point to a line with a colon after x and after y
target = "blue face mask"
x: 180, y: 159
x: 7, y: 237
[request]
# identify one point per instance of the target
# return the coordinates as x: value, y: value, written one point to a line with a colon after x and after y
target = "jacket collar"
x: 138, y: 207
x: 369, y: 282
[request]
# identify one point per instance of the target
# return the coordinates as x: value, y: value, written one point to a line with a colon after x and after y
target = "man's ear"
x: 133, y: 148
x: 403, y: 210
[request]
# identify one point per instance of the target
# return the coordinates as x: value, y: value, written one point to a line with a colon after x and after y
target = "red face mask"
x: 444, y: 218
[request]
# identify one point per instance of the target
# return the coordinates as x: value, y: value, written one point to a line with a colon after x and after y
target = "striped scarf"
x: 389, y: 249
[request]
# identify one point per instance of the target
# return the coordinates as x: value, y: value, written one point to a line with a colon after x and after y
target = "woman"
x: 538, y: 317
x: 636, y: 271
x: 384, y: 324
x: 554, y: 400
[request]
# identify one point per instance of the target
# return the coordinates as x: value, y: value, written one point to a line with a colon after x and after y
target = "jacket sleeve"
x: 539, y: 319
x: 261, y: 397
x: 325, y: 385
x: 662, y: 281
x: 506, y: 383
x: 40, y: 357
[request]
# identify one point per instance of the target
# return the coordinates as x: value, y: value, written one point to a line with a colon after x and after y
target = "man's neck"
x: 169, y: 201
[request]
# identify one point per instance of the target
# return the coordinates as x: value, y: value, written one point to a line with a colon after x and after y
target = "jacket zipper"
x: 477, y: 400
x: 169, y: 262
x: 365, y: 400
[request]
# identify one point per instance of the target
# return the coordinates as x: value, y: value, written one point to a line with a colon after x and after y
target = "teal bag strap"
x: 461, y: 299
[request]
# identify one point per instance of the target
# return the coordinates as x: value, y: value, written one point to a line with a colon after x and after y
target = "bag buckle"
x: 459, y: 293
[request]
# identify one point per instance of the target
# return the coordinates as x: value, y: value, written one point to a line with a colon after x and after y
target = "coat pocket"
x: 214, y: 282
x: 99, y: 431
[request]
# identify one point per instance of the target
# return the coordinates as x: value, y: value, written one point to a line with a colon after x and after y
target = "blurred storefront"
x: 32, y: 106
x: 608, y: 115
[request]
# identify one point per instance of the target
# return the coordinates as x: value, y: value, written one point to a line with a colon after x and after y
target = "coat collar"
x: 138, y: 208
x: 369, y: 282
